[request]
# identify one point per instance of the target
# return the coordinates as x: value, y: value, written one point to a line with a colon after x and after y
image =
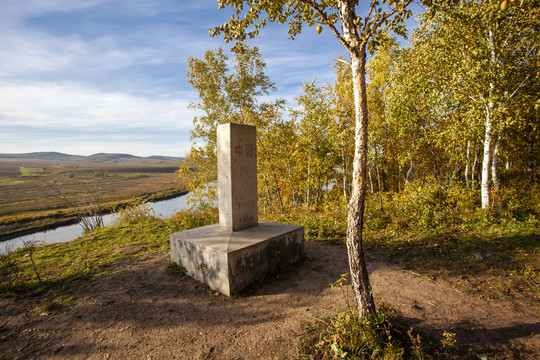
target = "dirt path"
x: 141, y: 312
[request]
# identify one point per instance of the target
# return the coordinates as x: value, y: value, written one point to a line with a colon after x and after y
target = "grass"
x: 382, y: 335
x: 30, y: 172
x: 6, y: 181
x: 174, y: 269
x: 495, y: 264
x: 441, y: 234
x: 64, y: 265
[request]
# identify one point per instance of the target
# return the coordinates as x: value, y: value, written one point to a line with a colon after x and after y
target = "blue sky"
x: 89, y: 76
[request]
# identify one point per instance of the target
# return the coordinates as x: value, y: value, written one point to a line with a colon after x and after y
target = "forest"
x: 454, y: 110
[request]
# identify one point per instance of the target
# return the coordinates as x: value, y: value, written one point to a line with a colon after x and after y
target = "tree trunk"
x: 345, y: 171
x: 278, y: 190
x: 467, y: 164
x: 308, y: 193
x: 380, y: 188
x: 409, y: 175
x: 487, y: 135
x: 372, y: 187
x: 291, y: 183
x: 318, y: 194
x: 487, y: 158
x: 267, y: 192
x: 531, y: 173
x: 494, y: 161
x: 473, y: 169
x: 359, y: 275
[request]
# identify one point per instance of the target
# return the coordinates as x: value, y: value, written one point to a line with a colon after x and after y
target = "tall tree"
x: 355, y: 33
x: 228, y: 92
x: 317, y: 149
x: 341, y: 130
x: 390, y: 144
x: 486, y: 68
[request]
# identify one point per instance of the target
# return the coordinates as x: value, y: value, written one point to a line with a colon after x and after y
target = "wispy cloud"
x: 14, y: 10
x: 72, y: 105
x: 89, y: 141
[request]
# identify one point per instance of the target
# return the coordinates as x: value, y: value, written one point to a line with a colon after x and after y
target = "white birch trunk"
x: 355, y: 217
x: 473, y: 168
x: 494, y: 161
x: 467, y: 164
x: 487, y: 136
x: 486, y: 160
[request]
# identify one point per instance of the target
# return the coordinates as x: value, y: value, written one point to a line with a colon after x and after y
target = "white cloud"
x: 13, y: 10
x: 34, y: 53
x: 21, y: 54
x: 29, y: 49
x: 72, y: 105
x: 176, y: 144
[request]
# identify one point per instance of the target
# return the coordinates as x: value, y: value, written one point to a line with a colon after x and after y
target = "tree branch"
x: 368, y: 16
x: 519, y: 87
x: 343, y: 61
x: 386, y: 17
x: 336, y: 32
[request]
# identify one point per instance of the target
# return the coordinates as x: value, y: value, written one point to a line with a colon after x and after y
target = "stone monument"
x: 240, y: 249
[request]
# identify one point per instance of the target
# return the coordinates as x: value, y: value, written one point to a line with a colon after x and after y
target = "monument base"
x: 229, y: 261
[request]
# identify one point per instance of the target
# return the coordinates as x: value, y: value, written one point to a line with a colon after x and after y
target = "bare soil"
x: 139, y: 311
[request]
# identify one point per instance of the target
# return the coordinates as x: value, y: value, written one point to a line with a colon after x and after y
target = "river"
x: 164, y: 209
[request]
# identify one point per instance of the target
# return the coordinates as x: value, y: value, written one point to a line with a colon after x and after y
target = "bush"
x: 329, y: 223
x: 174, y: 269
x: 516, y: 203
x: 190, y: 218
x: 424, y: 207
x: 136, y: 211
x: 381, y: 335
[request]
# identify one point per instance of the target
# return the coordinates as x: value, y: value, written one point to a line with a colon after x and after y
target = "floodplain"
x: 40, y: 191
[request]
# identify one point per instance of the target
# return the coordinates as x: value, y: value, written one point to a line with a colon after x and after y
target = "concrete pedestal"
x: 229, y: 261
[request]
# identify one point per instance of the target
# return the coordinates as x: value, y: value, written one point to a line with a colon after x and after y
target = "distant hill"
x: 95, y: 158
x: 104, y: 157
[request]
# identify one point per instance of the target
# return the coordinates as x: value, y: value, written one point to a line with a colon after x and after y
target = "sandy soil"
x: 141, y: 312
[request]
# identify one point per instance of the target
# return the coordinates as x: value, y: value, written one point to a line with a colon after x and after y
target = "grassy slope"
x: 49, y: 271
x: 492, y: 257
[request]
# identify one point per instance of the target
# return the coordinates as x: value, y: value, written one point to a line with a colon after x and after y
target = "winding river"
x: 164, y: 209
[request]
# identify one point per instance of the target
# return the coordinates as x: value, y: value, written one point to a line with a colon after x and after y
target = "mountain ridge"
x: 94, y: 158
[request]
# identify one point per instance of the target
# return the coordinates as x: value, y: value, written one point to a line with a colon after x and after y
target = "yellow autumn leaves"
x: 504, y: 3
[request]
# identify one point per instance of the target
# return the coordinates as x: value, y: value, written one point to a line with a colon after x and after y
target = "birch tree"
x: 489, y: 66
x: 228, y: 90
x: 356, y: 32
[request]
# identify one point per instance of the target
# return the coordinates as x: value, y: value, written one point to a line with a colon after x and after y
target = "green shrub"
x: 517, y: 203
x: 135, y: 212
x: 422, y: 207
x: 329, y: 223
x: 190, y: 218
x: 381, y: 335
